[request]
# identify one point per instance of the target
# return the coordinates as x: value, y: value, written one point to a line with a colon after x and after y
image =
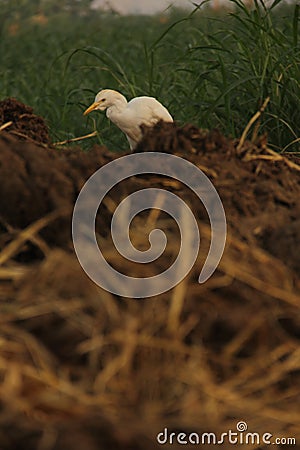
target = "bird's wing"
x: 149, y: 111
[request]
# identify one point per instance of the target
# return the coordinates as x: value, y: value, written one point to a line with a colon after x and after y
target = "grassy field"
x: 211, y: 69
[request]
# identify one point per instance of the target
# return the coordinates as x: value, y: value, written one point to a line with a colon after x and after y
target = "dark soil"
x: 260, y: 196
x: 81, y: 368
x: 25, y: 124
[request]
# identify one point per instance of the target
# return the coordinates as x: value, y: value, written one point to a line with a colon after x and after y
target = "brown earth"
x: 81, y: 368
x: 22, y: 122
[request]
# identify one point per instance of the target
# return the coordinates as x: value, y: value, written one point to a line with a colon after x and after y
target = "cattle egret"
x: 129, y: 116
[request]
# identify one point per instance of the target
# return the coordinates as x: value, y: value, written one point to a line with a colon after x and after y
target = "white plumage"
x: 129, y: 116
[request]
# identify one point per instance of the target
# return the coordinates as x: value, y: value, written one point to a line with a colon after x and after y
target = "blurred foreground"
x: 81, y: 368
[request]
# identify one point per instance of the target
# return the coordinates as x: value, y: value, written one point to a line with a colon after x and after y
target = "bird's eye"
x: 103, y: 100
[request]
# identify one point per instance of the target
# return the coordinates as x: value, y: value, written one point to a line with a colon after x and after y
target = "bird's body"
x: 129, y: 116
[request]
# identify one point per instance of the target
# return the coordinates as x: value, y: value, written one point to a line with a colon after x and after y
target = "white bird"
x: 129, y: 116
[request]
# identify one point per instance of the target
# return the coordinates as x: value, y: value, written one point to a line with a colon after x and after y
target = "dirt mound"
x: 37, y: 181
x: 82, y: 368
x: 259, y: 190
x: 20, y: 120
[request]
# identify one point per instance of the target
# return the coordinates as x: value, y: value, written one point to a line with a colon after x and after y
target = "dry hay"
x: 81, y: 368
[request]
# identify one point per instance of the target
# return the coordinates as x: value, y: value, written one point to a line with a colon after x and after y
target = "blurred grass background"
x: 210, y: 68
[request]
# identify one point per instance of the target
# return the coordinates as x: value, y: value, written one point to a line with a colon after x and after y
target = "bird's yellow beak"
x: 91, y: 108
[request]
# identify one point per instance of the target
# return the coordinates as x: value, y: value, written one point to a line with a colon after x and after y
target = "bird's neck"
x: 117, y: 107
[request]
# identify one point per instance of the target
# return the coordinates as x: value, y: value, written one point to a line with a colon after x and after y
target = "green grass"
x: 213, y: 70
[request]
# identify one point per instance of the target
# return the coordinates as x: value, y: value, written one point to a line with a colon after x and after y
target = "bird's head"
x: 105, y: 99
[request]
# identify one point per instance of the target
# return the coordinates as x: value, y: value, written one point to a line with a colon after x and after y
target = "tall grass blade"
x: 275, y: 3
x: 296, y: 25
